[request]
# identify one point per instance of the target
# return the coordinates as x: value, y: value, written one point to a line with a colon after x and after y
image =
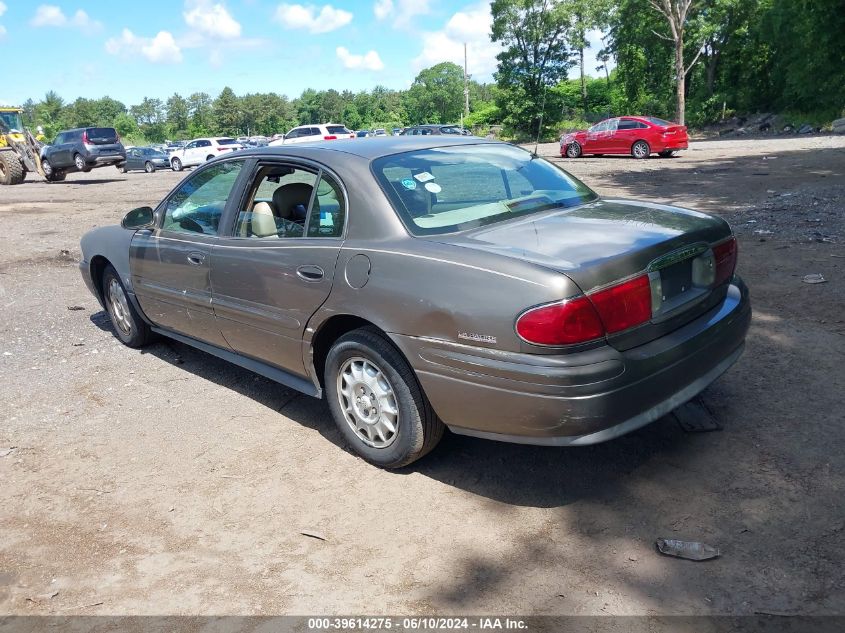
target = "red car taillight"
x: 330, y: 137
x: 590, y: 317
x: 625, y: 305
x: 85, y: 137
x: 725, y: 256
x: 564, y: 323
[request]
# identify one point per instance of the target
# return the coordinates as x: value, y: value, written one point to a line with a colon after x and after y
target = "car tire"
x: 50, y: 174
x: 640, y: 150
x: 365, y: 363
x: 149, y: 167
x: 121, y: 168
x: 80, y: 163
x: 666, y: 153
x: 209, y: 157
x: 127, y: 324
x: 573, y: 150
x: 176, y: 164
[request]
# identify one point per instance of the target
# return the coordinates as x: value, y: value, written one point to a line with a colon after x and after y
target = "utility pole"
x: 466, y: 83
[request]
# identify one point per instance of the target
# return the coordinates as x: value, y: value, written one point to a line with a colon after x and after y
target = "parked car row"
x: 83, y: 149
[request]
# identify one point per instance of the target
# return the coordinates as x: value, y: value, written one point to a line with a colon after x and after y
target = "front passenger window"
x: 198, y: 204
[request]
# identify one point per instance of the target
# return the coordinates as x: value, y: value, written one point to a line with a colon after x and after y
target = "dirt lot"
x: 168, y: 482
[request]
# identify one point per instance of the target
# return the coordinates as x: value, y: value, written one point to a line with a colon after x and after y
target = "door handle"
x: 310, y: 273
x: 196, y: 259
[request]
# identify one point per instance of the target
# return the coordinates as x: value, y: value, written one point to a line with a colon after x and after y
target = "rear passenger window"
x: 328, y: 214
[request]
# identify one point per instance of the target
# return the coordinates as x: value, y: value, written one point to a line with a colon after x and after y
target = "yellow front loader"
x: 19, y: 151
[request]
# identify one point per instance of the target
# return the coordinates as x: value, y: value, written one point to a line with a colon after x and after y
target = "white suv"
x: 311, y: 133
x: 200, y: 150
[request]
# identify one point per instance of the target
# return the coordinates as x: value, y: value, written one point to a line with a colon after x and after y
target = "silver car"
x: 431, y: 282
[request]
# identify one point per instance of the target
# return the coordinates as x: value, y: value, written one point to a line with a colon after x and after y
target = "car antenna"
x: 540, y: 126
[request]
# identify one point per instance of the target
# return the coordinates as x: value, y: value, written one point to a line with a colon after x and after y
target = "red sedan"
x: 639, y: 136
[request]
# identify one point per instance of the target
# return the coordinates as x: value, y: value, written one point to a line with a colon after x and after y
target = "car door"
x: 132, y: 159
x: 293, y: 136
x: 170, y: 264
x: 626, y: 134
x: 276, y: 266
x: 604, y: 139
x: 62, y: 155
x: 593, y: 138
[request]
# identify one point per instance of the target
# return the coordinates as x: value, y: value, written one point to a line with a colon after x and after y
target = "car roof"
x: 331, y: 151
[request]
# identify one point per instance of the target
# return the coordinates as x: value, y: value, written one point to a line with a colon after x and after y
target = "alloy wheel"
x: 368, y: 402
x: 119, y: 307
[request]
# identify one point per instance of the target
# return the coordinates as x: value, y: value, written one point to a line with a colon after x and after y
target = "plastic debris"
x: 815, y: 278
x: 695, y: 417
x: 690, y: 550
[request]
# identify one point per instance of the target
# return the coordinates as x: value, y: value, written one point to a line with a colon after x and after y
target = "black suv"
x: 82, y: 149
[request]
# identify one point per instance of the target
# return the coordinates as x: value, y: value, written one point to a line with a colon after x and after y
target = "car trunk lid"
x: 607, y: 241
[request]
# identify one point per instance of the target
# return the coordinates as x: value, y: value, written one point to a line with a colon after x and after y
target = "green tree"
x: 226, y: 113
x: 199, y: 110
x: 437, y: 94
x: 535, y: 56
x: 177, y: 112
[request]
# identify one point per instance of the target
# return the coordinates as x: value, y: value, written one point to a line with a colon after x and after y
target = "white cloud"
x: 403, y: 12
x: 2, y: 8
x: 471, y: 25
x: 367, y: 61
x: 51, y: 15
x: 161, y: 49
x: 383, y: 8
x: 297, y: 16
x: 210, y: 19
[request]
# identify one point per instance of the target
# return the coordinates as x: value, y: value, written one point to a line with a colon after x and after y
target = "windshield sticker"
x: 409, y: 184
x: 433, y: 187
x: 424, y: 176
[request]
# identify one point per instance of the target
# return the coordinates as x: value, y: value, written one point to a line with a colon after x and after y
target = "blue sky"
x: 128, y: 50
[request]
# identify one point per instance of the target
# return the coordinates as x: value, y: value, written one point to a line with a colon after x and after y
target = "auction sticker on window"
x: 409, y: 184
x: 433, y: 187
x: 423, y: 176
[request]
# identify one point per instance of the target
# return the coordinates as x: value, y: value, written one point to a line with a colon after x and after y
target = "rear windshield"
x: 102, y: 135
x: 656, y: 121
x: 338, y: 129
x: 226, y: 141
x: 450, y: 189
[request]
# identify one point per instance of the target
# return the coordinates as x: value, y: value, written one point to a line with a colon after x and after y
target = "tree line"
x: 694, y: 61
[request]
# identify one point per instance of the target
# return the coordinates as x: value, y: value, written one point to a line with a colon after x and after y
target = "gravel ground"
x: 168, y: 482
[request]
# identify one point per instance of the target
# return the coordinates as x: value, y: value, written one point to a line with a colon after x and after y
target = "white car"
x: 311, y: 133
x: 201, y: 150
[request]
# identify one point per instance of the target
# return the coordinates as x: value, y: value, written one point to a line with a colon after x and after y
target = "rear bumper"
x: 580, y: 398
x: 676, y: 145
x: 109, y: 159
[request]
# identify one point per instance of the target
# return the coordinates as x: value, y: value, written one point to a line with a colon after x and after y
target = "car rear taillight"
x: 725, y: 256
x: 85, y: 137
x: 563, y: 323
x: 625, y: 305
x: 589, y: 317
x: 330, y: 137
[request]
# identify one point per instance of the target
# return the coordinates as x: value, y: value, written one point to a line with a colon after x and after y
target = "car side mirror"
x: 140, y: 218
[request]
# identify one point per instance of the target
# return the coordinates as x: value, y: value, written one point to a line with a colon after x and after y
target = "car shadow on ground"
x: 514, y: 474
